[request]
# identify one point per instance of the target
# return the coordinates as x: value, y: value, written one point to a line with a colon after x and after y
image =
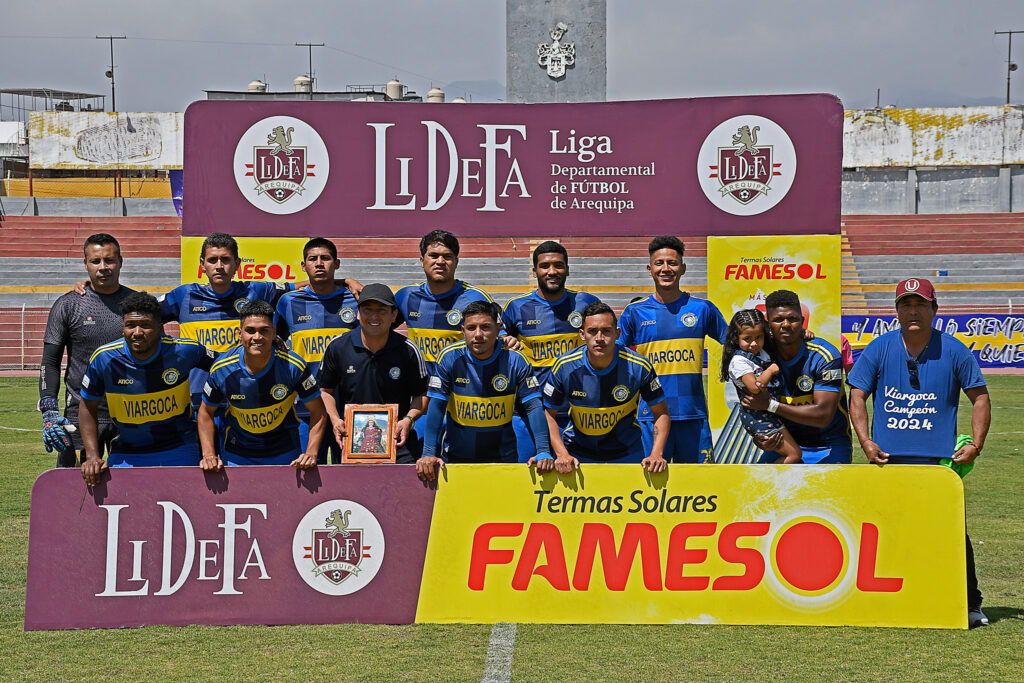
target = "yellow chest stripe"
x: 431, y: 342
x: 153, y: 407
x: 674, y: 356
x: 543, y: 350
x: 474, y: 411
x: 219, y: 335
x: 598, y: 421
x: 310, y: 345
x: 263, y: 420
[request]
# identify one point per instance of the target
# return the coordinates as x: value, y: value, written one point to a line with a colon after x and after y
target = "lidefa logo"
x: 281, y: 165
x: 746, y: 165
x: 338, y: 547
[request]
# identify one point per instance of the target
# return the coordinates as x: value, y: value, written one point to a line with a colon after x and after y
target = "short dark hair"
x: 144, y: 303
x: 666, y: 242
x: 101, y: 239
x: 320, y: 243
x: 782, y: 298
x: 219, y: 240
x: 550, y: 247
x: 439, y: 237
x: 257, y: 308
x: 598, y: 308
x: 482, y: 308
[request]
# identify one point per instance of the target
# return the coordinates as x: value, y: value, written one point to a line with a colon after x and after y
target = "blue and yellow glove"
x: 55, y: 436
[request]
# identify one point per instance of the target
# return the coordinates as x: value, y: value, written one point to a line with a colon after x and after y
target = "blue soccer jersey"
x: 260, y: 420
x: 911, y: 421
x: 603, y: 404
x: 547, y: 329
x: 212, y: 319
x: 481, y: 396
x: 671, y: 336
x: 434, y: 322
x: 310, y: 321
x: 148, y: 399
x: 818, y: 367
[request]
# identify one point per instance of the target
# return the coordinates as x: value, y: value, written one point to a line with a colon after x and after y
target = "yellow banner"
x: 730, y: 544
x: 742, y: 271
x: 152, y: 407
x: 268, y: 259
x: 263, y: 420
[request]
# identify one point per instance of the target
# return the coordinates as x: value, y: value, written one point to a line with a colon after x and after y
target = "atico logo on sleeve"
x: 746, y: 165
x: 281, y: 165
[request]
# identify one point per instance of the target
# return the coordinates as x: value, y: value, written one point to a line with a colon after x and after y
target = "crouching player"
x: 478, y: 381
x: 603, y: 384
x: 258, y: 384
x: 144, y: 380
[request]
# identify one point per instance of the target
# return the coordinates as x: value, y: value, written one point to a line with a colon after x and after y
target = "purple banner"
x: 252, y: 545
x: 723, y: 166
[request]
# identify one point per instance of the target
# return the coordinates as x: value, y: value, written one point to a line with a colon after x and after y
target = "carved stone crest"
x: 556, y: 56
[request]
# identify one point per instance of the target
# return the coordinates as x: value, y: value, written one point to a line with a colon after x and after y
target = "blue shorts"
x: 525, y: 444
x: 328, y: 444
x: 181, y: 456
x: 689, y: 441
x: 834, y: 454
x: 232, y: 459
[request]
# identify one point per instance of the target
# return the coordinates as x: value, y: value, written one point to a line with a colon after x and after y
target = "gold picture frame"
x: 369, y: 433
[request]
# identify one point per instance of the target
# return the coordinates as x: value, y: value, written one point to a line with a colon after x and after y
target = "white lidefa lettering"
x: 110, y: 570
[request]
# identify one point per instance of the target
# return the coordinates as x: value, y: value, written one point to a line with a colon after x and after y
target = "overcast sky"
x: 920, y: 53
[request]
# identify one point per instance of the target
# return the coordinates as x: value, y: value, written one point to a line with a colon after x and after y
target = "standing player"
x: 310, y: 318
x: 432, y: 309
x: 375, y: 364
x: 479, y: 382
x: 603, y: 384
x: 547, y: 322
x: 143, y: 378
x: 920, y: 371
x: 669, y: 328
x: 812, y: 403
x: 81, y: 323
x: 258, y: 384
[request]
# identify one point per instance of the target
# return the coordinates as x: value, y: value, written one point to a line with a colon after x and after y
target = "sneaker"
x: 976, y: 618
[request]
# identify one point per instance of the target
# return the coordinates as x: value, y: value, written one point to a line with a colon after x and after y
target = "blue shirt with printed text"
x: 434, y: 322
x: 909, y: 421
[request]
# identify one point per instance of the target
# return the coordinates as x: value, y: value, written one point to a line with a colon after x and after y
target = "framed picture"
x: 370, y: 428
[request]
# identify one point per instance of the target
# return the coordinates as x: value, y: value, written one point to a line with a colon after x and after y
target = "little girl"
x: 748, y: 365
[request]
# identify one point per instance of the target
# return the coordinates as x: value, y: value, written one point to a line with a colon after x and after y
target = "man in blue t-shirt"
x: 309, y: 318
x: 813, y: 404
x: 669, y: 328
x: 479, y: 383
x: 916, y: 374
x: 547, y: 322
x: 603, y: 384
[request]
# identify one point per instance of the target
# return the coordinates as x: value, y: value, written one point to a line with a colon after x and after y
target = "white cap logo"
x: 911, y: 285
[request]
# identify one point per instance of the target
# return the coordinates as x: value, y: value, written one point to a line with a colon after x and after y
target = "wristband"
x: 773, y: 405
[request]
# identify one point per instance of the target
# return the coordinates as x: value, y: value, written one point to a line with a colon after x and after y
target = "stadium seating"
x: 975, y: 260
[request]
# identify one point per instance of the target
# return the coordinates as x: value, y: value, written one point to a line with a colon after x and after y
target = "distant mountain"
x: 475, y: 91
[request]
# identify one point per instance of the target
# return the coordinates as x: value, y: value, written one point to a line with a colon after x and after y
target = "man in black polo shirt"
x: 373, y: 364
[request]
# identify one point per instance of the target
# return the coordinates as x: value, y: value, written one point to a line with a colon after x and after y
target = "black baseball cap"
x: 377, y: 292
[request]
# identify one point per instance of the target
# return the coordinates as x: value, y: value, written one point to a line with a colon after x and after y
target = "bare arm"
x: 767, y: 375
x: 207, y: 437
x: 93, y: 467
x: 317, y: 425
x: 818, y: 413
x: 403, y: 427
x: 655, y: 461
x: 981, y: 419
x: 751, y: 383
x: 859, y: 418
x: 331, y: 408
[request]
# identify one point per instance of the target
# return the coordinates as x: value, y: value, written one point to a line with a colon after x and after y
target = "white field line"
x: 498, y: 668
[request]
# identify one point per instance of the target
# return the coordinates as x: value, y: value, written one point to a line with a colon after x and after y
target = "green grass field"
x: 427, y: 652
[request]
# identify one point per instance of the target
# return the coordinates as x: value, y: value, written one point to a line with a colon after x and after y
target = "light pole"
x: 110, y: 73
x: 1010, y: 66
x: 312, y: 81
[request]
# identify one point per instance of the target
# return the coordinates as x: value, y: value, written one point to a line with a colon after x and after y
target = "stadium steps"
x: 63, y: 237
x: 852, y: 295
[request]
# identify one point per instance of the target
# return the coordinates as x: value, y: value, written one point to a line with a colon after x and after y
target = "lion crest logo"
x: 282, y: 140
x: 746, y: 139
x: 339, y: 521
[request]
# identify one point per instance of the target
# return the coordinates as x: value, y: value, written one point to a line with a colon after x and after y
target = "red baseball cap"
x: 919, y: 286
